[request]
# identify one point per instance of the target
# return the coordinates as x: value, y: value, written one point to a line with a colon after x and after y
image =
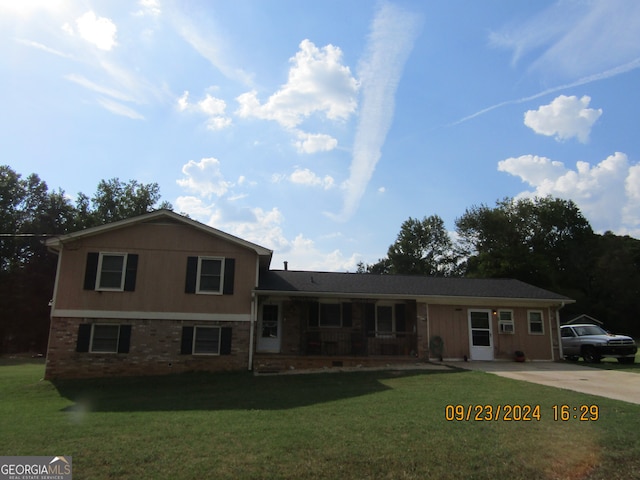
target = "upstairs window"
x: 111, y: 271
x: 210, y: 275
x: 106, y: 271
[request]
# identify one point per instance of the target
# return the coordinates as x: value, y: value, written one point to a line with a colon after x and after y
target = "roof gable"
x: 56, y: 243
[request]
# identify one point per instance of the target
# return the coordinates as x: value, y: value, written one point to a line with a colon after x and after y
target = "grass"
x: 361, y: 425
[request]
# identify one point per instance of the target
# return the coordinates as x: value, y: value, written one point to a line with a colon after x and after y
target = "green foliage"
x: 29, y: 212
x: 536, y: 241
x: 423, y: 247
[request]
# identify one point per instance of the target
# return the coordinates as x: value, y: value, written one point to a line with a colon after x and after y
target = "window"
x: 505, y: 321
x: 206, y: 340
x: 111, y: 271
x: 385, y: 324
x: 536, y: 325
x: 330, y: 315
x: 103, y: 338
x: 210, y: 275
x: 385, y: 319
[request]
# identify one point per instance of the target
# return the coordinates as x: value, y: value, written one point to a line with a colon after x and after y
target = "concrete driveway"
x: 594, y: 381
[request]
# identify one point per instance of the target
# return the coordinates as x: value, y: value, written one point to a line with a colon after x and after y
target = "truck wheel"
x: 627, y: 360
x: 590, y: 355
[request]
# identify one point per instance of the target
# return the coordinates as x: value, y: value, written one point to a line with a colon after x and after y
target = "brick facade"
x: 154, y: 350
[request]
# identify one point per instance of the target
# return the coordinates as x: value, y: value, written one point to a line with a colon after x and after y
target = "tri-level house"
x: 162, y: 293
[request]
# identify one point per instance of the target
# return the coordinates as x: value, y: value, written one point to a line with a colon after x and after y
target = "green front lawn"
x: 376, y: 425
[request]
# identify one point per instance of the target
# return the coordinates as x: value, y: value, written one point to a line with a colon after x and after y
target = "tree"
x: 540, y: 241
x: 115, y: 200
x: 29, y: 212
x: 422, y: 247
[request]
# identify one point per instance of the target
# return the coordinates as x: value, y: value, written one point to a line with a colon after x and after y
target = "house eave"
x: 430, y: 299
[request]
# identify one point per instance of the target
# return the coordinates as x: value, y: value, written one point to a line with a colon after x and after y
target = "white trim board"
x: 135, y: 315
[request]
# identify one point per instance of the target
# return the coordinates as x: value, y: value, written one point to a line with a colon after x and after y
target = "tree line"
x: 546, y: 242
x: 29, y: 213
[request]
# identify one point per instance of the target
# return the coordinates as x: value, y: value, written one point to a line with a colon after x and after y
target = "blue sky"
x: 316, y: 128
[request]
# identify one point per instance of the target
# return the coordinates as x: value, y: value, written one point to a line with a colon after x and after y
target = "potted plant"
x: 519, y: 356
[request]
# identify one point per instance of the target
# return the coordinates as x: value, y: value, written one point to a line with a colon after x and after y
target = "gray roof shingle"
x: 300, y: 282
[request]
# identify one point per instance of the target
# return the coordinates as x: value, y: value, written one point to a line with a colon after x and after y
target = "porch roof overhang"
x: 432, y: 290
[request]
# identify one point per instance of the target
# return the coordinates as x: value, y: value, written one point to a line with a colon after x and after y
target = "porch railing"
x: 359, y: 344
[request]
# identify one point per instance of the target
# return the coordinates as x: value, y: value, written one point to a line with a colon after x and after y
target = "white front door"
x: 269, y: 326
x: 480, y: 336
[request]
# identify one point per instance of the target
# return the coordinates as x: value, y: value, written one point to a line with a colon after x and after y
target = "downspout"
x: 428, y: 331
x: 558, y: 327
x: 254, y: 314
x: 251, y: 329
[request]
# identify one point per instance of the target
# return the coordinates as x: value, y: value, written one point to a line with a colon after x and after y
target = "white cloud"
x: 100, y: 31
x: 576, y: 39
x: 307, y: 177
x: 204, y: 178
x: 315, y: 142
x: 317, y: 83
x: 393, y: 33
x: 565, y: 117
x: 214, y: 108
x: 303, y: 254
x: 608, y: 193
x: 120, y: 109
x: 44, y: 48
x: 202, y: 34
x: 149, y: 7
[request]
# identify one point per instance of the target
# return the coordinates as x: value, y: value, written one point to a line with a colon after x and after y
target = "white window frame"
x: 541, y: 313
x: 199, y: 272
x: 506, y: 326
x: 195, y: 336
x: 392, y: 333
x: 93, y: 329
x: 339, y: 305
x: 122, y: 273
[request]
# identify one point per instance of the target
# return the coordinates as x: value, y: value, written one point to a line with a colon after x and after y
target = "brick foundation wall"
x: 154, y: 350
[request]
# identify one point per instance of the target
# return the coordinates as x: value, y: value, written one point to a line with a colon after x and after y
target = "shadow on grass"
x: 224, y: 391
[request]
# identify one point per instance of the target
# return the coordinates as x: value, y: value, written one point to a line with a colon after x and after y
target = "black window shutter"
x: 225, y: 341
x: 229, y: 275
x: 192, y: 272
x: 84, y: 337
x: 130, y: 274
x: 346, y: 315
x: 91, y: 271
x: 125, y: 339
x: 370, y: 319
x: 400, y: 317
x: 314, y: 314
x: 186, y: 347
